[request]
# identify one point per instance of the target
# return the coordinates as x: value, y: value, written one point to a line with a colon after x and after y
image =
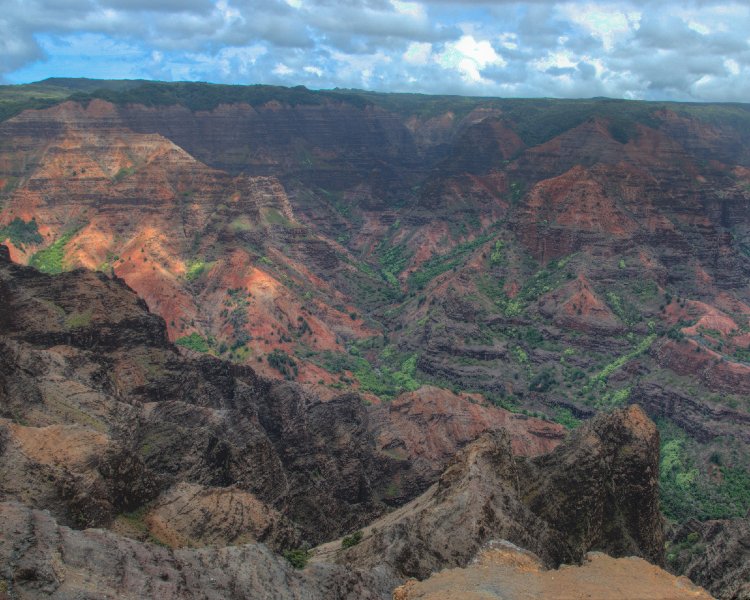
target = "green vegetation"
x: 297, y: 558
x: 234, y: 314
x: 687, y: 492
x: 493, y: 289
x: 646, y: 289
x: 392, y: 259
x: 274, y: 217
x: 516, y: 192
x: 52, y: 258
x: 43, y: 94
x: 283, y: 363
x: 123, y: 173
x: 520, y: 355
x: 542, y: 381
x: 614, y: 398
x: 77, y: 320
x: 497, y: 256
x: 387, y: 375
x: 196, y: 268
x: 386, y: 382
x: 543, y: 281
x: 206, y: 96
x: 566, y: 418
x: 437, y: 265
x: 352, y: 540
x: 194, y: 341
x: 135, y: 521
x: 601, y: 377
x: 21, y: 233
x: 690, y: 545
x: 627, y: 312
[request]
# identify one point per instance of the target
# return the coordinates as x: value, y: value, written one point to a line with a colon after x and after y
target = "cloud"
x: 657, y: 49
x: 469, y: 57
x: 418, y: 53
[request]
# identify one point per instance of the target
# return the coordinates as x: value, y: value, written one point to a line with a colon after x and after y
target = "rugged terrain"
x: 440, y: 256
x: 105, y: 424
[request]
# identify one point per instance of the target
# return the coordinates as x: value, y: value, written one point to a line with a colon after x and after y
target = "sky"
x: 694, y: 50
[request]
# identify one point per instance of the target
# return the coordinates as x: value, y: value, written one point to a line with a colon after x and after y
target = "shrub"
x: 297, y: 558
x: 194, y: 341
x: 196, y: 268
x: 542, y: 382
x: 352, y: 540
x: 21, y: 233
x: 51, y: 259
x: 283, y: 363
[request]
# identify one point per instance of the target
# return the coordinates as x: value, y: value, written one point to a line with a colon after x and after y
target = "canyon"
x: 259, y: 319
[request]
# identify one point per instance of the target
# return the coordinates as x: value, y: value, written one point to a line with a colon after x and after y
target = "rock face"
x: 597, y: 491
x: 41, y: 559
x: 715, y: 555
x: 485, y: 494
x: 113, y: 415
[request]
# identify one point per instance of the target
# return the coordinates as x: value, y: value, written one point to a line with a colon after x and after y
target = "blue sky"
x: 658, y: 49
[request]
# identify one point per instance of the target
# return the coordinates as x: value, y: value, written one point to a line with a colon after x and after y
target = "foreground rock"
x: 597, y: 491
x: 507, y: 573
x: 40, y: 559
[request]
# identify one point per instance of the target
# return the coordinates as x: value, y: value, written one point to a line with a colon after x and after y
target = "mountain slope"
x: 560, y: 258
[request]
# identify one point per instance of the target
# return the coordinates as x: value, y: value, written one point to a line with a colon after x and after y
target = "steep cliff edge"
x: 714, y: 554
x: 101, y: 414
x: 481, y: 497
x: 596, y: 491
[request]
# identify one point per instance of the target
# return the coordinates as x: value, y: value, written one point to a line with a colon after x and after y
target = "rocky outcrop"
x: 41, y: 559
x: 485, y: 494
x: 195, y: 516
x: 597, y: 491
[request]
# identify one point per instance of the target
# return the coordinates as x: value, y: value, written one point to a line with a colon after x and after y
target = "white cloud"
x: 282, y: 70
x: 732, y: 66
x: 607, y: 22
x: 469, y: 57
x: 418, y: 53
x: 412, y: 9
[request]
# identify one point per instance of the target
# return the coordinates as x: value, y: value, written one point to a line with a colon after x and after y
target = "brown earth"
x: 511, y: 574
